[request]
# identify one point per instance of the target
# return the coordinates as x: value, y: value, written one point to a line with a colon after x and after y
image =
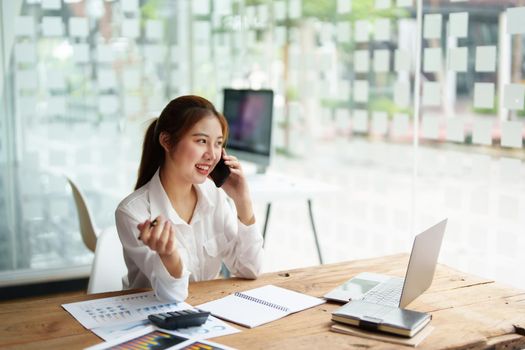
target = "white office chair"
x: 87, y: 228
x: 108, y: 266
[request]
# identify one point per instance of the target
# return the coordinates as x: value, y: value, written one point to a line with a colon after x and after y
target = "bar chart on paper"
x: 155, y: 340
x: 116, y: 310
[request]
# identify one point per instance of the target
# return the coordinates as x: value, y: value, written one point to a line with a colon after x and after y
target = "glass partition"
x: 415, y: 108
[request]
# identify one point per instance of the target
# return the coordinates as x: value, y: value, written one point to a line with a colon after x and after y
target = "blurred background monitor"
x: 249, y: 115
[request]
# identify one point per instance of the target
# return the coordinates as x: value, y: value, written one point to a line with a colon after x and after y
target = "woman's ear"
x: 164, y: 140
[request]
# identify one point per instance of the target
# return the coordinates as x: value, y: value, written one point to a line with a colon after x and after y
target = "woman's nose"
x: 211, y: 153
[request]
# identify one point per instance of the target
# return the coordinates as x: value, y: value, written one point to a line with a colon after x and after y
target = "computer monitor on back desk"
x: 249, y: 114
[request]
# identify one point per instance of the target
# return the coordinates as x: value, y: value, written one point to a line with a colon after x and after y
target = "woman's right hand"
x: 159, y: 235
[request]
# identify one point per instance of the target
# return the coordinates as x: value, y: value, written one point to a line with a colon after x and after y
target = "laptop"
x: 395, y: 291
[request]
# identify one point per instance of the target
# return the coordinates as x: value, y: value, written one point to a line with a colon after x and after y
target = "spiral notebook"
x: 258, y: 306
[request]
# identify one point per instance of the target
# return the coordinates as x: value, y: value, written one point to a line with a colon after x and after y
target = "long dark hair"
x: 176, y: 119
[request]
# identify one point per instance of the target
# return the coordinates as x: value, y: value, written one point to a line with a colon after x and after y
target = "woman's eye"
x: 201, y: 140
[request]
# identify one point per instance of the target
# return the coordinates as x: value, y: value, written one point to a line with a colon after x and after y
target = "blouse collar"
x: 160, y: 203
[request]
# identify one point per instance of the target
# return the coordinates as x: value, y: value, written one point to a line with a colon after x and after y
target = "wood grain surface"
x: 468, y: 312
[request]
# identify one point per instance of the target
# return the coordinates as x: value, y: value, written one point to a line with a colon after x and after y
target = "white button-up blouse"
x: 214, y: 235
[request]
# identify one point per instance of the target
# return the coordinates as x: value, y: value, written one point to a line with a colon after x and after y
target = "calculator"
x: 179, y: 319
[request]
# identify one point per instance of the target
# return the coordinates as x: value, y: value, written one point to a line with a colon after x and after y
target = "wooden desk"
x: 468, y: 312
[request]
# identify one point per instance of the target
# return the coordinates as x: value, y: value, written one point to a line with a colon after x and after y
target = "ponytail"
x: 152, y: 155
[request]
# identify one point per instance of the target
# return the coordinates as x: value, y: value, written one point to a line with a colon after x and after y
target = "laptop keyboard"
x: 386, y: 293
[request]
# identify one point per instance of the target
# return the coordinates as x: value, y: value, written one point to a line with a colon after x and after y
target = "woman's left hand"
x: 236, y: 187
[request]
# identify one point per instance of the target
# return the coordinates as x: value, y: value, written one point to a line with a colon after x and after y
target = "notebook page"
x: 242, y: 311
x: 290, y: 299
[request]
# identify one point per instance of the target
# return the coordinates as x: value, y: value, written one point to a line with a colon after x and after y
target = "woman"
x: 177, y: 226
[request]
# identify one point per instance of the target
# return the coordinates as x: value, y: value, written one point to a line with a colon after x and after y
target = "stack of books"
x: 373, y: 318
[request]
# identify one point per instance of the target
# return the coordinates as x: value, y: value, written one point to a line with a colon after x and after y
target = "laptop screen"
x: 422, y: 264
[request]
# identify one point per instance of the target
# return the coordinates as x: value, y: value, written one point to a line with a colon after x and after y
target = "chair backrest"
x: 108, y: 266
x: 87, y: 229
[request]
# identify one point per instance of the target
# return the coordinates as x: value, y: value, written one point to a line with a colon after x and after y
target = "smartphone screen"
x: 220, y: 173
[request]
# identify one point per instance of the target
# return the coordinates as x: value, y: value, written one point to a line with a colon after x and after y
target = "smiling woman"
x: 195, y: 229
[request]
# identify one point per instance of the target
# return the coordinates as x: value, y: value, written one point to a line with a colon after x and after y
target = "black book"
x: 377, y: 317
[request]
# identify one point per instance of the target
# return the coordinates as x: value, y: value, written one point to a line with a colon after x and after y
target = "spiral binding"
x: 263, y: 302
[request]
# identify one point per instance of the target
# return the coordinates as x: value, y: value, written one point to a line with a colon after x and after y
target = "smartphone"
x: 220, y: 173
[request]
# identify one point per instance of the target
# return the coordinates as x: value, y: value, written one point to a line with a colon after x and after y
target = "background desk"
x: 468, y: 312
x: 271, y: 187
